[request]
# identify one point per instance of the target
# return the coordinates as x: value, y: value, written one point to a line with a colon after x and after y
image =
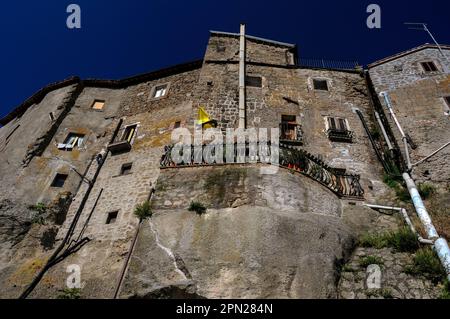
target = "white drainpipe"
x: 242, y: 78
x: 405, y: 141
x: 405, y: 216
x: 386, y: 137
x: 440, y: 244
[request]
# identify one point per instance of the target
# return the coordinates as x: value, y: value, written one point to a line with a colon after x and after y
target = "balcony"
x: 122, y: 142
x: 337, y: 135
x: 291, y: 134
x: 290, y: 157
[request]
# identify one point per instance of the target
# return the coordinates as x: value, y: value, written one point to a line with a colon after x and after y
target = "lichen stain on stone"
x: 25, y: 274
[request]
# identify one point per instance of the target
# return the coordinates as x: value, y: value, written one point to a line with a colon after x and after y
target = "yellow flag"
x: 203, y: 117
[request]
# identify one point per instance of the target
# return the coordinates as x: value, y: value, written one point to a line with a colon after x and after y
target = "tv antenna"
x: 423, y: 27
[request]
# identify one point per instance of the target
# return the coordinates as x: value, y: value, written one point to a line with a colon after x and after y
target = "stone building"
x: 418, y: 84
x: 79, y: 156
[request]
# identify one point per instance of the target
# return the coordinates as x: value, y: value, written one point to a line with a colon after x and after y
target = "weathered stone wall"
x: 405, y: 70
x: 263, y: 236
x: 289, y: 91
x: 19, y: 135
x: 138, y: 98
x: 418, y: 101
x: 103, y: 257
x: 226, y: 48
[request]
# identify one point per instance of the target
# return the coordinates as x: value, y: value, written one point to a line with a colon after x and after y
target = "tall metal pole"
x: 242, y: 121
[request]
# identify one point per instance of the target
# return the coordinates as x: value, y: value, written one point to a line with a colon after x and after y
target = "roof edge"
x: 407, y: 52
x: 113, y: 84
x: 284, y: 44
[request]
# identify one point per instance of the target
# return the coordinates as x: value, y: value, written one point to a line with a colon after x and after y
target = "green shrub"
x: 445, y: 294
x: 390, y: 180
x: 402, y: 194
x: 370, y: 260
x: 197, y: 207
x: 403, y: 240
x: 40, y: 208
x: 70, y: 293
x: 347, y: 268
x: 395, y: 182
x: 377, y: 241
x: 426, y: 263
x: 426, y: 190
x: 143, y: 211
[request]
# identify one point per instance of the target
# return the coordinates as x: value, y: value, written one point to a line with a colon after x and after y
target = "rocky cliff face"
x: 267, y: 236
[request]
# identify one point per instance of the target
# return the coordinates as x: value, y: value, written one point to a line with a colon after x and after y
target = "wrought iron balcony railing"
x: 337, y: 180
x: 337, y: 135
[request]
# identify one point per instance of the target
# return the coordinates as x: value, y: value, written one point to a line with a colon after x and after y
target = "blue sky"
x: 124, y: 38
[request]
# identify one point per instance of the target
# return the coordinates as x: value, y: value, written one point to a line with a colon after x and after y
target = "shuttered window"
x: 429, y: 66
x: 338, y: 124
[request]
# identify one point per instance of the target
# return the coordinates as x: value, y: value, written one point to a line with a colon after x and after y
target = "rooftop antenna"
x: 423, y: 27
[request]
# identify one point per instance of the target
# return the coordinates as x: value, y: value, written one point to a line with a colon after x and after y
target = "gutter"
x: 385, y: 95
x: 130, y: 253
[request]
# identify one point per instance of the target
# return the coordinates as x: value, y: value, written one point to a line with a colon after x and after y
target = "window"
x: 160, y: 91
x: 337, y: 124
x: 129, y: 133
x: 98, y: 105
x: 447, y: 105
x: 338, y: 130
x: 220, y: 47
x: 290, y: 130
x: 59, y: 180
x: 320, y: 85
x: 429, y: 66
x: 112, y: 217
x: 72, y: 141
x: 253, y: 81
x: 447, y: 100
x: 126, y: 169
x: 177, y: 124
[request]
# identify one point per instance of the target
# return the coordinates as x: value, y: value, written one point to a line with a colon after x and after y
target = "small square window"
x: 98, y: 105
x: 126, y: 169
x: 59, y: 180
x: 177, y: 124
x: 320, y: 85
x: 160, y: 91
x: 429, y: 66
x: 447, y: 100
x: 447, y: 105
x: 253, y: 81
x: 112, y: 217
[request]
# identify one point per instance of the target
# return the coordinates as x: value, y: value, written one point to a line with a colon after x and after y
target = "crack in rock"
x: 169, y: 253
